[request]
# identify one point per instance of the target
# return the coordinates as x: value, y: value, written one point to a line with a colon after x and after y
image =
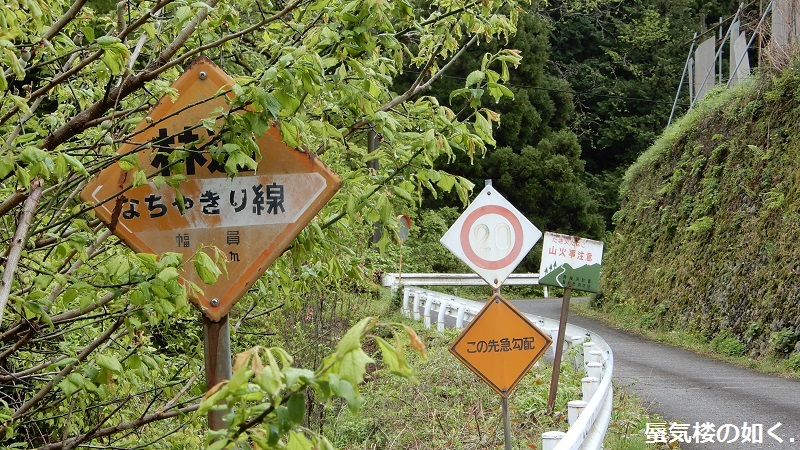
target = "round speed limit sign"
x: 491, y: 237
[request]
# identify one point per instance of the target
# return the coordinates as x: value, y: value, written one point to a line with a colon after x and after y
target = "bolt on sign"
x: 491, y: 237
x: 252, y: 218
x: 571, y: 261
x: 500, y: 345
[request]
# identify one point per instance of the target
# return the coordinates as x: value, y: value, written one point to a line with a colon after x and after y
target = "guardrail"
x: 588, y: 417
x: 393, y: 280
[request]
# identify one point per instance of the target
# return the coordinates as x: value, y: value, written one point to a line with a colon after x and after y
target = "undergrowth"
x: 451, y: 408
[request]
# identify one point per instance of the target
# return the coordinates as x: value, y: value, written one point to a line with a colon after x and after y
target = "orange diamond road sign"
x: 252, y: 217
x: 500, y: 345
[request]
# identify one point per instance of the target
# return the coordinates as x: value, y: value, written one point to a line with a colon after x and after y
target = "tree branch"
x: 125, y: 426
x: 277, y: 16
x: 130, y: 84
x: 162, y: 63
x: 64, y: 20
x: 440, y: 17
x: 64, y: 372
x: 65, y: 316
x: 78, y: 441
x: 11, y: 202
x: 415, y: 88
x: 18, y: 243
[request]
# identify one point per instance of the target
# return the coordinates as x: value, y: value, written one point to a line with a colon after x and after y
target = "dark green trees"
x: 624, y: 61
x: 536, y: 163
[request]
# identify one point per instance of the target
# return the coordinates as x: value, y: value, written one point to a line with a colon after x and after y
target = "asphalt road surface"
x: 744, y: 406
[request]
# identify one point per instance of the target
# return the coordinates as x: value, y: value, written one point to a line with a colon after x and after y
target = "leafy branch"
x: 266, y: 391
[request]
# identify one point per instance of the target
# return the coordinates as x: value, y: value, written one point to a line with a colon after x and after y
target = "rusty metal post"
x: 506, y: 423
x: 217, y: 352
x: 503, y: 400
x: 562, y: 328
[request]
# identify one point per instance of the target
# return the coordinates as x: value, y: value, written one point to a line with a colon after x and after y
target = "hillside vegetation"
x: 706, y: 237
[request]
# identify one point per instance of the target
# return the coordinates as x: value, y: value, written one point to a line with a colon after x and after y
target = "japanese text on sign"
x: 579, y: 282
x: 502, y: 345
x: 195, y: 160
x: 570, y: 253
x: 222, y: 202
x: 263, y: 199
x: 571, y: 261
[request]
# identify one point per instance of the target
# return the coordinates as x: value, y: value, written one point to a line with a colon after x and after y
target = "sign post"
x: 568, y: 262
x: 217, y: 356
x: 250, y: 218
x: 562, y: 325
x: 500, y: 344
x: 402, y: 234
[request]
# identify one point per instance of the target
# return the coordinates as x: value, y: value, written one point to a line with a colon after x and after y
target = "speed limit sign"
x: 491, y: 237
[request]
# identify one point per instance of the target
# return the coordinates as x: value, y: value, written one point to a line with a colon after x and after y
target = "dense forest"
x: 101, y: 346
x: 594, y: 89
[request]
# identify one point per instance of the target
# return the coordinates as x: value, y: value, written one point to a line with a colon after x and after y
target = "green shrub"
x: 753, y: 330
x: 597, y: 300
x: 647, y: 321
x: 783, y: 341
x: 793, y: 363
x: 728, y: 344
x: 702, y: 225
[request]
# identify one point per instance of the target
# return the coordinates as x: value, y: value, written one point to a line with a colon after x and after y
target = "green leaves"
x: 75, y: 163
x: 475, y: 77
x: 115, y: 53
x: 9, y: 57
x: 129, y: 162
x: 237, y: 160
x: 333, y: 71
x: 206, y: 268
x: 265, y: 397
x: 350, y: 361
x: 109, y: 363
x: 395, y: 360
x: 483, y: 128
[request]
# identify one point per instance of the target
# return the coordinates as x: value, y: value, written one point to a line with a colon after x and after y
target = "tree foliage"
x: 624, y: 61
x: 82, y: 318
x: 265, y: 397
x: 536, y: 163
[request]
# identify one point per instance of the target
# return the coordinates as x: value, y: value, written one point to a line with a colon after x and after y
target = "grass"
x: 452, y: 408
x: 449, y: 408
x: 628, y: 421
x: 722, y: 347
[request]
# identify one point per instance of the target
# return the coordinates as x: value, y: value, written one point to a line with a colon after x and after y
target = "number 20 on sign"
x: 491, y: 237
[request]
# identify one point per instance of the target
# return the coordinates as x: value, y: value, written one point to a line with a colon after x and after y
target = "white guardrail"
x: 588, y: 417
x: 394, y: 280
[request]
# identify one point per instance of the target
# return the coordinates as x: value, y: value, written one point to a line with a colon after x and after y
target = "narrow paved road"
x: 684, y: 387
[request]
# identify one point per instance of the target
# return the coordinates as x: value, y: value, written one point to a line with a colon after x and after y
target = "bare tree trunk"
x: 18, y: 243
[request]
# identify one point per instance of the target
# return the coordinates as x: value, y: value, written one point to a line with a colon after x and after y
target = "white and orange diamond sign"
x: 252, y: 217
x: 491, y: 236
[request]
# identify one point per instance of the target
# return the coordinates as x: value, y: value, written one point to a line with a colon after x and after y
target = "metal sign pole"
x: 504, y: 400
x: 506, y: 423
x: 217, y: 352
x: 562, y: 328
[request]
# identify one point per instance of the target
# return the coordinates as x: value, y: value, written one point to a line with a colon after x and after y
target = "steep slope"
x: 707, y: 235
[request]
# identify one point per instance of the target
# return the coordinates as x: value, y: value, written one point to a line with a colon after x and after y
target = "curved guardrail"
x: 588, y: 417
x: 393, y: 280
